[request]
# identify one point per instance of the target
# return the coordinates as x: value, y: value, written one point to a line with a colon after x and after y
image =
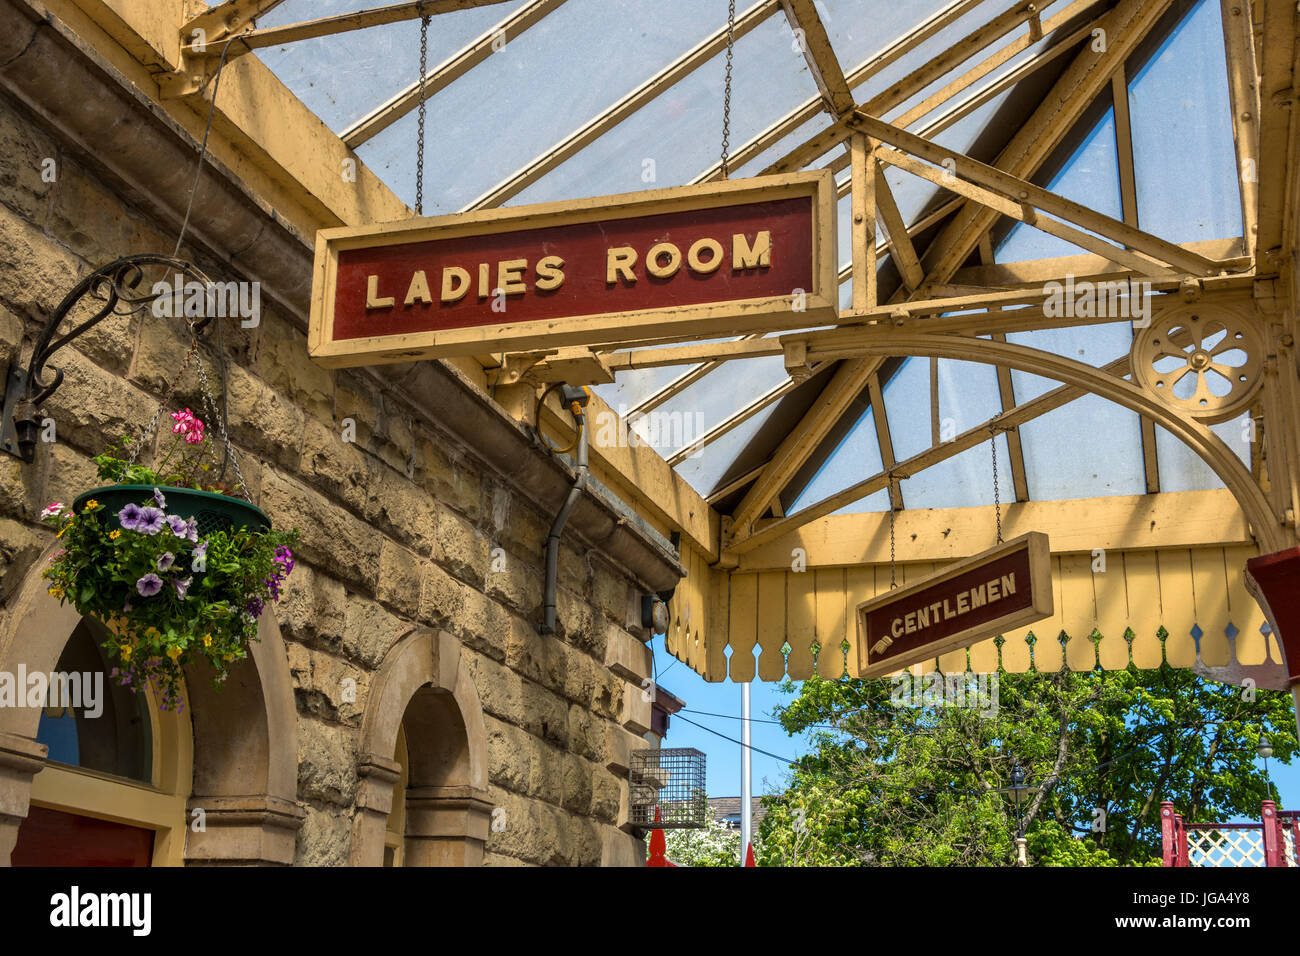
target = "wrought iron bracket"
x: 115, y: 289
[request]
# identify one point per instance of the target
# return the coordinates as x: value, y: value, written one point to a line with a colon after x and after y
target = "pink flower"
x: 53, y: 511
x: 188, y: 425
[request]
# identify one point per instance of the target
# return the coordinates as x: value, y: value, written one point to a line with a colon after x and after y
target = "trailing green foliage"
x: 931, y: 785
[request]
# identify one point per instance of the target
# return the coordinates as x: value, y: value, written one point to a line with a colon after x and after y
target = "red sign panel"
x: 718, y: 258
x: 1004, y: 588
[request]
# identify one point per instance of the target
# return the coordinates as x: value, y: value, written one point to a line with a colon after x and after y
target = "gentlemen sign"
x: 1000, y: 590
x: 719, y: 258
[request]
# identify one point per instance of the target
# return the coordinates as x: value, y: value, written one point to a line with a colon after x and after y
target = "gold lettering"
x: 896, y: 628
x: 550, y: 274
x: 510, y: 276
x: 1008, y: 584
x: 993, y: 590
x: 373, y: 299
x: 922, y: 618
x: 744, y: 256
x: 418, y: 291
x: 977, y: 597
x: 909, y: 624
x: 484, y: 280
x: 947, y: 611
x: 715, y: 256
x: 653, y: 266
x: 455, y: 284
x: 963, y: 602
x: 619, y: 264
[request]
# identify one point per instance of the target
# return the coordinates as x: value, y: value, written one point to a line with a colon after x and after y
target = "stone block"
x: 331, y: 538
x: 327, y: 687
x: 93, y: 407
x: 370, y: 630
x: 326, y: 836
x: 327, y: 762
x: 400, y: 508
x: 38, y: 272
x: 338, y: 468
x: 463, y: 549
x: 400, y: 573
x: 263, y: 419
x: 627, y: 657
x: 283, y: 364
x: 637, y: 707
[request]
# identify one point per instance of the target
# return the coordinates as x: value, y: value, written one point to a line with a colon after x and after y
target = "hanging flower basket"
x: 169, y: 560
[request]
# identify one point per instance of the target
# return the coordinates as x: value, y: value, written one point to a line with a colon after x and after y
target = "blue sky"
x: 723, y: 757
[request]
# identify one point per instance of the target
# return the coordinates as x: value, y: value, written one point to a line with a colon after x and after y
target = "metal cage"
x: 666, y: 789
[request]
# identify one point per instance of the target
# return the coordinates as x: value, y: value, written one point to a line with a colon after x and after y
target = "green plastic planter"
x: 213, y: 512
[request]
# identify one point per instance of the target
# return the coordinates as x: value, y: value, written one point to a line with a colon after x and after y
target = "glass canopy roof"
x: 526, y: 102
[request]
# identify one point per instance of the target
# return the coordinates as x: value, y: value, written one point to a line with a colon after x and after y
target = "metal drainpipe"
x: 553, y: 541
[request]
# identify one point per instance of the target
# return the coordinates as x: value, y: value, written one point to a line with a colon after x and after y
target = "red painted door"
x: 54, y: 838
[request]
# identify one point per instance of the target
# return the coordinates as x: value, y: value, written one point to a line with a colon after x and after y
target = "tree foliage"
x: 931, y: 785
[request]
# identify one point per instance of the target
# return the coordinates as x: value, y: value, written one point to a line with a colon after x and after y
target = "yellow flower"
x: 115, y: 534
x: 151, y: 632
x: 227, y: 657
x: 207, y: 640
x: 56, y: 591
x: 92, y: 504
x: 125, y: 651
x: 174, y: 652
x: 64, y: 531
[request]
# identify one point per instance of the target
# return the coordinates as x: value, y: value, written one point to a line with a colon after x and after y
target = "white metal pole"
x: 746, y: 782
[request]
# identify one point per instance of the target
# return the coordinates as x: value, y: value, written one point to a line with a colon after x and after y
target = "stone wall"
x: 406, y: 526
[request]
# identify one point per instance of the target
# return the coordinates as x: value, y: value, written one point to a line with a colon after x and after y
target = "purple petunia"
x: 180, y: 527
x: 149, y: 585
x: 159, y: 499
x: 151, y: 520
x: 182, y: 587
x: 192, y: 529
x: 165, y: 561
x: 130, y: 517
x: 200, y: 555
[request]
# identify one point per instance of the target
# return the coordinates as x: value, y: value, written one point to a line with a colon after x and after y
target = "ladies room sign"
x: 740, y: 256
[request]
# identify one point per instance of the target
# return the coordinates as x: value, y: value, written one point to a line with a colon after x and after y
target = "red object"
x: 749, y: 854
x: 1272, y: 835
x: 1171, y: 836
x: 658, y: 846
x: 53, y: 838
x: 1274, y: 580
x: 584, y: 247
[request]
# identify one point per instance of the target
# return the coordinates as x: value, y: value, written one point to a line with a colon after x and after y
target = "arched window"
x: 113, y: 790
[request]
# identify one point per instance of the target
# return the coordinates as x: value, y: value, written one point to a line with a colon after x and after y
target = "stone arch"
x: 420, y: 686
x: 1198, y: 437
x: 245, y: 762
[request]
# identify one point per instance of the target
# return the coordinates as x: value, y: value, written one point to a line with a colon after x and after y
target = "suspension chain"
x: 997, y: 503
x: 166, y: 400
x: 726, y: 96
x: 893, y: 580
x: 210, y: 404
x: 419, y: 136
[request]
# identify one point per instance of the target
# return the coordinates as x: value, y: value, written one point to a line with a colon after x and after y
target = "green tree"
x: 713, y: 845
x: 931, y: 785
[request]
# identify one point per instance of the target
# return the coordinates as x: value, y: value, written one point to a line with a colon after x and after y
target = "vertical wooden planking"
x: 718, y: 626
x: 832, y: 605
x: 1178, y: 606
x: 860, y: 585
x: 1142, y: 588
x: 1210, y: 586
x: 1078, y: 611
x: 772, y: 618
x: 802, y: 614
x: 1111, y: 596
x: 1243, y: 609
x: 744, y: 626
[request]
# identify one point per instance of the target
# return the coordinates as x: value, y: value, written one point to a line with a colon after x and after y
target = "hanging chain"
x: 726, y: 96
x: 997, y: 503
x: 214, y: 415
x: 893, y: 581
x: 419, y: 136
x: 166, y: 399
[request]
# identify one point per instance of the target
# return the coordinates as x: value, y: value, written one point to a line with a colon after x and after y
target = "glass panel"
x: 1183, y: 154
x: 857, y: 456
x: 1091, y: 177
x: 1181, y: 469
x: 963, y: 481
x: 104, y: 726
x: 706, y: 471
x: 1088, y: 448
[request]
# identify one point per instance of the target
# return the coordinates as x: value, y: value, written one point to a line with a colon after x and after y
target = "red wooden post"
x: 1180, y: 838
x: 1168, y: 836
x: 749, y: 854
x: 1272, y: 835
